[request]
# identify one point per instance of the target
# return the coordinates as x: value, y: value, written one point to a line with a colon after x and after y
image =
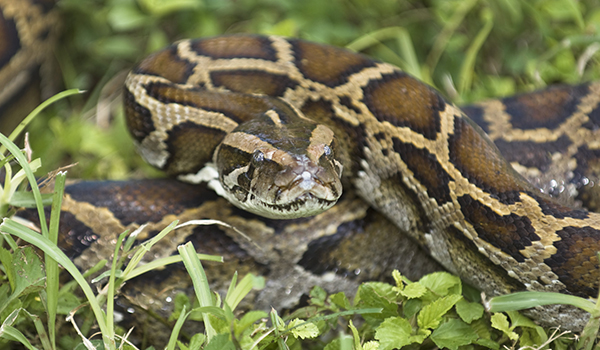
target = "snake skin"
x: 413, y: 156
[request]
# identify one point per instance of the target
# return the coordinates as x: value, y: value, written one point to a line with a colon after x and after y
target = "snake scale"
x: 495, y: 196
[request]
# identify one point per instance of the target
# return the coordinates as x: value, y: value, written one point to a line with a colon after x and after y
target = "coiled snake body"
x: 413, y: 156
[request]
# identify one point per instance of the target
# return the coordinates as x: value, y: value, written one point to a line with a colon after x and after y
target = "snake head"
x: 280, y: 166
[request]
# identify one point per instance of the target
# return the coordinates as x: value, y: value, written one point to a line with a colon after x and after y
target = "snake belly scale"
x: 413, y: 156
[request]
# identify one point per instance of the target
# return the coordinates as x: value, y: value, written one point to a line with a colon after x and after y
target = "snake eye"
x: 327, y: 150
x: 258, y: 156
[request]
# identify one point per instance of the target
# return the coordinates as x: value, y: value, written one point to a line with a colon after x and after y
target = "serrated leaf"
x: 394, y: 332
x: 306, y: 330
x: 442, y: 283
x: 500, y: 322
x: 421, y: 335
x: 431, y: 315
x: 453, y: 334
x: 469, y: 311
x: 413, y: 291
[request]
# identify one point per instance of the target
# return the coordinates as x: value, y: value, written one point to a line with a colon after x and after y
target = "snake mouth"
x: 305, y: 205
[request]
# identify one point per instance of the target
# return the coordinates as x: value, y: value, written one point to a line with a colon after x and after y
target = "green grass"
x: 468, y: 49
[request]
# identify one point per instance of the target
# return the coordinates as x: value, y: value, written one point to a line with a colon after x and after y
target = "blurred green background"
x: 468, y: 49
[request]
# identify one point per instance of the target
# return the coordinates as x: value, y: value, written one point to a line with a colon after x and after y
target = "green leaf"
x: 453, y: 334
x: 394, y: 332
x: 303, y: 329
x: 518, y: 320
x: 379, y: 295
x: 488, y: 343
x: 469, y: 311
x: 66, y: 303
x: 500, y: 322
x: 197, y: 341
x: 248, y: 320
x: 29, y: 274
x: 413, y: 290
x: 220, y: 342
x: 318, y: 296
x: 371, y: 345
x: 431, y: 315
x: 6, y: 260
x: 442, y: 283
x: 340, y: 300
x: 333, y: 345
x: 411, y: 307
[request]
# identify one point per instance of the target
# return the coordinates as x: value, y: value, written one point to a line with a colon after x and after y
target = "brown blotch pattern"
x: 509, y: 233
x: 544, y: 109
x: 253, y: 82
x: 191, y: 146
x: 476, y: 114
x: 235, y: 46
x: 575, y: 262
x: 551, y: 208
x: 532, y: 154
x: 236, y: 106
x: 479, y: 161
x: 167, y: 64
x: 137, y: 117
x: 426, y: 169
x: 327, y: 65
x: 406, y: 102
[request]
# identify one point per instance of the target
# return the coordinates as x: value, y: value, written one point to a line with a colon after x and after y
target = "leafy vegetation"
x: 468, y: 49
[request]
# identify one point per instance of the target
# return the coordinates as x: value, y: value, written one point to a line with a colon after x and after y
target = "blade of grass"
x: 235, y: 295
x: 443, y: 37
x: 52, y: 271
x: 466, y: 70
x: 200, y: 282
x: 408, y: 61
x: 526, y: 300
x: 176, y: 329
x: 110, y: 298
x: 154, y: 264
